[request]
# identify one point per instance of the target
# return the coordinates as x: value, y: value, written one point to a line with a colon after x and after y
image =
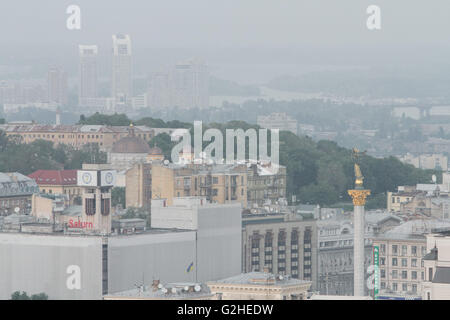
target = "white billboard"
x: 108, y: 178
x: 87, y: 178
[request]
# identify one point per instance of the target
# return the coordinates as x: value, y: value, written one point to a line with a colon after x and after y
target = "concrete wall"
x: 38, y: 263
x: 143, y: 258
x: 219, y: 242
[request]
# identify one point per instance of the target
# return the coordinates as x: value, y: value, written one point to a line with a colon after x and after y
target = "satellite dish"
x: 164, y: 290
x: 16, y: 209
x: 166, y: 162
x: 197, y: 288
x: 433, y: 178
x: 160, y: 286
x: 186, y: 288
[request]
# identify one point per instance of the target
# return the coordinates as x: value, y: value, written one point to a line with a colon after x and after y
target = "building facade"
x: 122, y: 70
x: 138, y: 186
x: 279, y: 121
x: 75, y: 136
x: 16, y: 191
x: 56, y: 182
x: 284, y: 244
x: 260, y: 286
x: 87, y: 74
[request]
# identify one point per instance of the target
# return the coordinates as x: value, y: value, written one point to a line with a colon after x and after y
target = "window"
x: 414, y: 250
x: 404, y: 262
x: 394, y: 261
x: 404, y: 287
x: 383, y: 248
x: 382, y: 261
x: 395, y: 286
x: 404, y: 274
x: 394, y: 249
x: 430, y: 274
x: 383, y: 285
x: 414, y: 275
x: 413, y: 262
x: 404, y: 250
x: 394, y: 274
x: 383, y: 273
x: 414, y: 288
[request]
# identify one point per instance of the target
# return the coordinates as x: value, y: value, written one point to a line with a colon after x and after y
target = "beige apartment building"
x: 426, y: 161
x: 138, y: 190
x: 75, y: 135
x: 56, y: 182
x: 436, y: 285
x: 221, y: 183
x: 401, y: 255
x: 400, y: 263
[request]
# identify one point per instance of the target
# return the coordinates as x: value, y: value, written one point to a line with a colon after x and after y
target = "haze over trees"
x: 318, y: 172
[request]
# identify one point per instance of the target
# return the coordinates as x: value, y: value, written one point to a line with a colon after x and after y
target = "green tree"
x: 118, y: 196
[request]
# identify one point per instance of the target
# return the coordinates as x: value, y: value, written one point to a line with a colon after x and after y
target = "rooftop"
x: 174, y: 291
x: 263, y: 279
x: 55, y: 177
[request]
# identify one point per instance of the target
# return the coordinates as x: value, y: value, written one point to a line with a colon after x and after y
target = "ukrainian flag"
x: 190, y: 267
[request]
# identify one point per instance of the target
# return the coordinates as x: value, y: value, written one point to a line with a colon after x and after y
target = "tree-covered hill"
x: 317, y: 172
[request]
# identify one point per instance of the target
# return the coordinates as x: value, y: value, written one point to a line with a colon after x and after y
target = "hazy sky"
x: 189, y: 23
x: 309, y: 31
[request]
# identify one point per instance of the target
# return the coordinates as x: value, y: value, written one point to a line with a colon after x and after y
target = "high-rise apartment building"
x: 57, y: 86
x: 122, y: 80
x: 185, y: 85
x: 88, y: 74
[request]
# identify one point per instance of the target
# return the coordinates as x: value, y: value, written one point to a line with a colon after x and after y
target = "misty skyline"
x: 248, y: 41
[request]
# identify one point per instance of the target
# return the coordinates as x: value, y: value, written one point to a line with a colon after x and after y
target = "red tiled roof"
x: 55, y: 177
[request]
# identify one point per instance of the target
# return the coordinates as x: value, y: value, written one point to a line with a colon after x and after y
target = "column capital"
x: 359, y: 196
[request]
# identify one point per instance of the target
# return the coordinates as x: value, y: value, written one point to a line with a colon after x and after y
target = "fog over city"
x: 254, y: 150
x: 235, y: 37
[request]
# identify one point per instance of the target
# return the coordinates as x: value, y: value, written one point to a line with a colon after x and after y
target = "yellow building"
x: 75, y: 135
x: 58, y: 182
x: 218, y: 183
x: 138, y: 185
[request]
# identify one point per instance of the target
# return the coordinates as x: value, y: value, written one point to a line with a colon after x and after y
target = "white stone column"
x: 358, y: 250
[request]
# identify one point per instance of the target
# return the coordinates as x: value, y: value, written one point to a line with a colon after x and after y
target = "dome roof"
x: 130, y: 144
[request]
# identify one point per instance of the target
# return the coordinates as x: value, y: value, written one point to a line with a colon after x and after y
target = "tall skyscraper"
x: 88, y: 74
x: 190, y: 85
x: 185, y: 85
x: 122, y: 79
x: 57, y: 86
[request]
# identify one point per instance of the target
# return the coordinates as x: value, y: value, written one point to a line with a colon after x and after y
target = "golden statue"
x: 359, y: 178
x: 359, y: 194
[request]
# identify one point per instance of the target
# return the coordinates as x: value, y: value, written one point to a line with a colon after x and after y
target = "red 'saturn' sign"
x: 80, y: 224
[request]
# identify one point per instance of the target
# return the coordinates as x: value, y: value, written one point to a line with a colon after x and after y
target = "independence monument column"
x: 359, y: 200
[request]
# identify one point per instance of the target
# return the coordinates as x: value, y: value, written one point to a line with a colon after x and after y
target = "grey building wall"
x: 38, y: 263
x: 135, y: 259
x: 219, y: 242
